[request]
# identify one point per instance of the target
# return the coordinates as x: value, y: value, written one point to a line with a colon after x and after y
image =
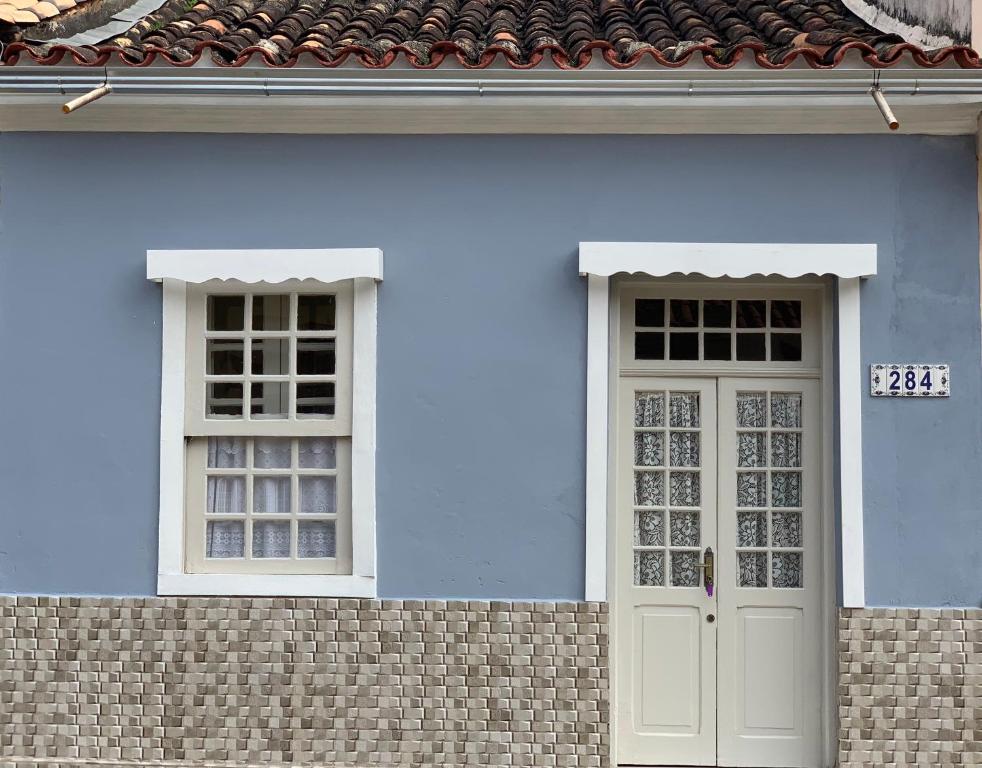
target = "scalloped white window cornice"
x: 728, y: 259
x: 327, y: 265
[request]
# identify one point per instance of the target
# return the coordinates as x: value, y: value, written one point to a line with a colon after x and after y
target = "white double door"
x: 727, y: 676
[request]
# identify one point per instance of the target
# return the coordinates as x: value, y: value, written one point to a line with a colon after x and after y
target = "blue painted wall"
x: 481, y: 332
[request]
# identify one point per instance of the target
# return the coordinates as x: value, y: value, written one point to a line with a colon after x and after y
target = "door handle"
x: 707, y: 570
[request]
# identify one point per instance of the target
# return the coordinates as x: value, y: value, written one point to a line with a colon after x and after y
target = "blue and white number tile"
x: 909, y: 380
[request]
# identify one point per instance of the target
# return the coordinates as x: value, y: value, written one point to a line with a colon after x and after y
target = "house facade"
x: 488, y: 384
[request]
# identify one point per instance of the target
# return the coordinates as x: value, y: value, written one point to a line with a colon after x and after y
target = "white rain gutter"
x: 950, y: 84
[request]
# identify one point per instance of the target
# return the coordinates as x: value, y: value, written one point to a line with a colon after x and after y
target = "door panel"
x: 666, y: 516
x: 769, y: 579
x: 668, y: 642
x: 769, y: 645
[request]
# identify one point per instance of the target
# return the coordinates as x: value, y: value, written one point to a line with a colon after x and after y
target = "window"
x: 268, y: 429
x: 267, y: 445
x: 682, y: 325
x: 742, y: 330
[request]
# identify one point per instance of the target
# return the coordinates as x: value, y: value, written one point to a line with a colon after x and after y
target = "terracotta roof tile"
x: 479, y: 33
x: 38, y: 9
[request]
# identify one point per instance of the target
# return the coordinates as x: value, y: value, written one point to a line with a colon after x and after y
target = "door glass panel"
x: 786, y: 449
x: 685, y: 570
x: 756, y: 330
x: 649, y: 409
x: 752, y: 569
x: 769, y: 524
x: 667, y: 521
x: 685, y: 489
x: 649, y: 449
x: 785, y: 489
x: 685, y: 449
x: 786, y: 569
x: 751, y: 489
x: 751, y: 529
x: 751, y: 409
x: 685, y: 409
x: 649, y: 528
x: 785, y: 410
x: 685, y: 528
x: 786, y: 529
x: 649, y: 568
x: 751, y: 451
x: 649, y: 489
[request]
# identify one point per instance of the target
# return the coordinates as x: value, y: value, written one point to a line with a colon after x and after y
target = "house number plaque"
x: 911, y: 380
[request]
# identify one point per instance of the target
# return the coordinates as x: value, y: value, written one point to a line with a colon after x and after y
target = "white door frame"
x: 840, y: 318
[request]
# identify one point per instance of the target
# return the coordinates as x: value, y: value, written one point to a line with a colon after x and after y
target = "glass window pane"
x: 684, y: 409
x: 751, y: 346
x: 716, y: 313
x: 752, y: 569
x: 649, y: 346
x: 649, y: 528
x: 271, y: 453
x: 786, y: 489
x: 685, y: 489
x: 224, y: 398
x: 685, y: 569
x: 751, y: 314
x: 716, y: 346
x: 225, y: 357
x: 751, y: 450
x: 649, y: 449
x: 270, y: 400
x: 786, y: 449
x: 270, y: 357
x: 649, y: 313
x: 684, y: 313
x: 751, y: 529
x: 785, y: 314
x: 786, y: 529
x: 270, y: 538
x: 683, y: 346
x: 226, y: 495
x: 751, y: 409
x: 751, y: 489
x: 271, y: 495
x: 318, y: 495
x: 226, y: 452
x: 649, y: 489
x: 786, y: 570
x: 649, y: 569
x: 786, y: 410
x: 684, y: 449
x: 270, y: 313
x: 226, y: 313
x: 315, y: 313
x: 685, y: 529
x: 318, y: 452
x: 649, y: 409
x: 315, y: 399
x: 786, y: 347
x: 316, y: 538
x: 315, y: 357
x: 225, y: 538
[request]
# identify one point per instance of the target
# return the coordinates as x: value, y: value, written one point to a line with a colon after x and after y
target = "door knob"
x: 707, y: 570
x: 710, y: 618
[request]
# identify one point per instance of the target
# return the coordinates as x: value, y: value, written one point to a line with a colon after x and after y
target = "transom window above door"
x: 684, y: 326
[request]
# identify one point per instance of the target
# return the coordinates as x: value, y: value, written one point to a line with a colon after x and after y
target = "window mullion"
x: 250, y: 477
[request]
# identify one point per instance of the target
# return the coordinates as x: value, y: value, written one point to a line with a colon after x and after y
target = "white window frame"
x: 175, y: 269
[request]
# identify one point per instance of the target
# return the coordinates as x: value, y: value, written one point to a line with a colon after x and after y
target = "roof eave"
x: 345, y: 100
